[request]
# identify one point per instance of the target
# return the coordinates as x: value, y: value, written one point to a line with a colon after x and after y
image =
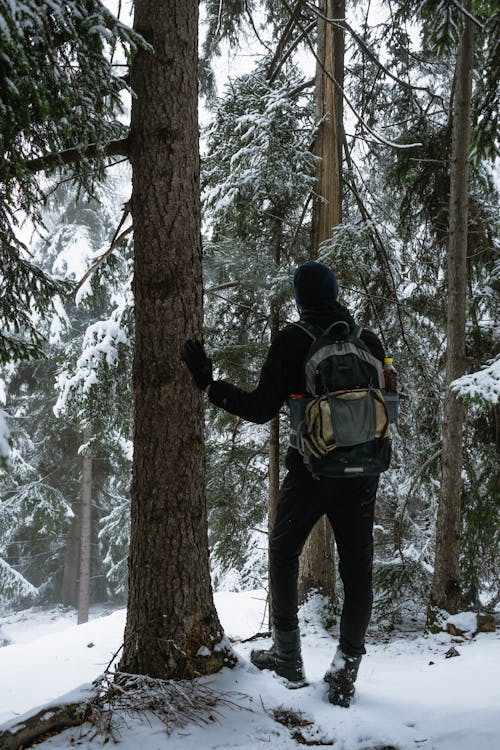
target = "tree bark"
x: 317, y: 562
x: 172, y: 628
x: 445, y: 591
x: 327, y: 207
x: 316, y: 568
x: 85, y: 535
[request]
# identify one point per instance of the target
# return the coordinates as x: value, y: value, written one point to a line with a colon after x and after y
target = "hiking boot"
x: 341, y: 677
x: 284, y: 656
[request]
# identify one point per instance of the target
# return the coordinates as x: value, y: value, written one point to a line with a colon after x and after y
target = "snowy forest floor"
x: 409, y: 695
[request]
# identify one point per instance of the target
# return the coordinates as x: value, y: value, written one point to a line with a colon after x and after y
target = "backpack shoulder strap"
x: 308, y: 328
x: 342, y: 325
x: 357, y: 332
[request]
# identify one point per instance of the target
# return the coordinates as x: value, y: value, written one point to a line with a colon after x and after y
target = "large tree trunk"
x: 446, y: 584
x: 172, y: 626
x: 317, y: 570
x: 85, y: 535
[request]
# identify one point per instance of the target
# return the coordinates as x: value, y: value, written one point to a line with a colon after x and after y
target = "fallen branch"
x: 257, y: 636
x: 50, y: 720
x: 115, y: 696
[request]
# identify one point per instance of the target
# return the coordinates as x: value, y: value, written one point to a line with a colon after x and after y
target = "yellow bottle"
x: 390, y: 375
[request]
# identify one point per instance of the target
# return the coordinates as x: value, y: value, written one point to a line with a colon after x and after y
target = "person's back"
x: 348, y: 502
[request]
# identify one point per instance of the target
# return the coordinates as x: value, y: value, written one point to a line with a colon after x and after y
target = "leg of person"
x: 299, y: 507
x: 351, y: 512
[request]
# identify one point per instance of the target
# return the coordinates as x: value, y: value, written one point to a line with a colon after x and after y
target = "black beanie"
x: 314, y: 285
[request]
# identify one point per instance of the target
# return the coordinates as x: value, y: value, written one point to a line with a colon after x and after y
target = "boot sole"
x: 291, y: 684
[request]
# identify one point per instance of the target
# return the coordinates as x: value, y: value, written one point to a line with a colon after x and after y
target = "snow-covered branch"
x: 481, y: 387
x: 100, y: 347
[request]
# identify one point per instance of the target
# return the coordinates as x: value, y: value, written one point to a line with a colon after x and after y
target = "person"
x: 303, y: 499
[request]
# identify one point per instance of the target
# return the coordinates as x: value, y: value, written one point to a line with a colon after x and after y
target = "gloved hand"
x: 198, y: 363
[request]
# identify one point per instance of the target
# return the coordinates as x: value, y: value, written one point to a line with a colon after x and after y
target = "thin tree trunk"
x: 445, y: 592
x: 69, y: 586
x: 85, y: 535
x: 172, y: 627
x: 274, y: 430
x: 316, y: 568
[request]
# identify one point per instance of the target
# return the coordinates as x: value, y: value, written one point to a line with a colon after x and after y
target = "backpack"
x: 341, y: 426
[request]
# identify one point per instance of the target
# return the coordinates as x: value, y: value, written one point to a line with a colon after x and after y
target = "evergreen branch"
x: 252, y: 24
x: 72, y: 155
x: 219, y: 19
x: 380, y: 138
x: 300, y: 88
x: 69, y: 179
x: 468, y: 14
x: 341, y: 23
x: 226, y: 285
x: 290, y: 49
x: 114, y: 243
x: 380, y: 249
x: 289, y: 26
x: 300, y: 224
x: 374, y: 308
x: 399, y: 521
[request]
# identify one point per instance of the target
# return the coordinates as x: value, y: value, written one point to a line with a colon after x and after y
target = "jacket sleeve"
x: 263, y: 403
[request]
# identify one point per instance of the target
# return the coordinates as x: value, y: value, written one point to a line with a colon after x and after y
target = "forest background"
x: 67, y: 303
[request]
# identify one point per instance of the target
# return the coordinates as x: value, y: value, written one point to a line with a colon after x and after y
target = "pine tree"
x: 95, y: 393
x: 172, y: 629
x: 258, y: 176
x: 446, y: 589
x: 60, y: 99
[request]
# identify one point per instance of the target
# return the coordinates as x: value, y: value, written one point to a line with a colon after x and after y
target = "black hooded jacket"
x: 283, y: 372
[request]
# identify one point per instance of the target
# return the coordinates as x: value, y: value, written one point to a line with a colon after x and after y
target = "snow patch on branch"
x: 14, y: 586
x: 481, y: 387
x: 100, y: 348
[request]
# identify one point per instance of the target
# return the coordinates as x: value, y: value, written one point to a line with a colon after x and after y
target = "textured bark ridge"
x: 172, y: 628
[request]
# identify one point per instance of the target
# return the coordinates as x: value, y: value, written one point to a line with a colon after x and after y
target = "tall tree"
x: 258, y: 176
x: 172, y: 626
x: 317, y: 569
x: 446, y: 591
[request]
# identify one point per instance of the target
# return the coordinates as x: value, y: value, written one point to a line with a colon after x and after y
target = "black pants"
x: 349, y: 505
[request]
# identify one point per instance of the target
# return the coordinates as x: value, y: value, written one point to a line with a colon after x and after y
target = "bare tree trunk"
x: 445, y: 592
x: 172, y: 627
x: 327, y: 213
x: 69, y: 586
x: 317, y: 562
x: 274, y: 427
x: 317, y: 569
x: 85, y: 535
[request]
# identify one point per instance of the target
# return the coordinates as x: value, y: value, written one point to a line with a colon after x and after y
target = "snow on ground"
x: 409, y: 695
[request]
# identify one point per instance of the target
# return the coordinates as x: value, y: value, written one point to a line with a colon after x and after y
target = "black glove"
x: 198, y: 363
